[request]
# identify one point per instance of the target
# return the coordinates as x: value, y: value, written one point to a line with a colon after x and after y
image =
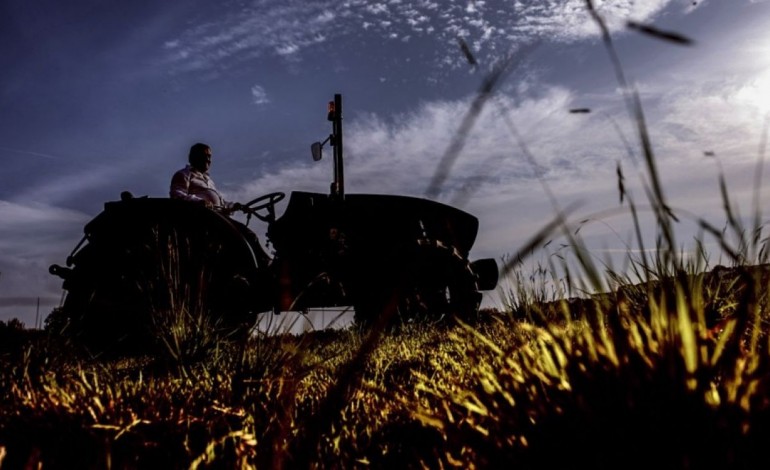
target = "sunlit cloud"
x: 523, y: 149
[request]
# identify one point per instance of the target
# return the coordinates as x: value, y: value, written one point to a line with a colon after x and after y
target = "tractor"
x: 391, y: 258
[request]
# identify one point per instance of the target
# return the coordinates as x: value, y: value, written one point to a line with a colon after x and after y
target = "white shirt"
x: 194, y: 185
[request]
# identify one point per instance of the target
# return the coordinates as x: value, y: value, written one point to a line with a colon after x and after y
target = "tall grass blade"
x: 491, y: 81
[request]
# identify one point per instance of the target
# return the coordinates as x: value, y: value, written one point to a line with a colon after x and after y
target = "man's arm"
x: 180, y: 187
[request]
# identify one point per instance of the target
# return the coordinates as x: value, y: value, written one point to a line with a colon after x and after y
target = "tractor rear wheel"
x: 159, y: 287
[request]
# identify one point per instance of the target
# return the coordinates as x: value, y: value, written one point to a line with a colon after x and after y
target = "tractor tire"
x: 166, y: 280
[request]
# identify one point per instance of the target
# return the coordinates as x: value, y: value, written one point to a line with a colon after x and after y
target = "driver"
x: 193, y: 182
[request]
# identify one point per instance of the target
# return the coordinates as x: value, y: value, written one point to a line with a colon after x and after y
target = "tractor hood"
x: 378, y: 220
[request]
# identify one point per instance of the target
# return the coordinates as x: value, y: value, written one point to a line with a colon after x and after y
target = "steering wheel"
x: 268, y: 202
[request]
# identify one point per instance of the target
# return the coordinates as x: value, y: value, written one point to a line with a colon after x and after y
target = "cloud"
x: 286, y: 30
x: 389, y: 157
x: 401, y: 154
x: 30, y: 231
x: 259, y: 95
x: 573, y: 158
x: 82, y: 180
x: 720, y: 115
x: 31, y: 238
x: 32, y: 154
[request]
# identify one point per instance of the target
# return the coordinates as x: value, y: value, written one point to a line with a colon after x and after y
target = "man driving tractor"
x: 193, y: 183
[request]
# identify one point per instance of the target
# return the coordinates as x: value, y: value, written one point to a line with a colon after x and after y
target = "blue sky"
x: 101, y: 97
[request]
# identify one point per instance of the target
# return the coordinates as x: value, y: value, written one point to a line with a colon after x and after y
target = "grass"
x: 665, y: 364
x: 633, y: 391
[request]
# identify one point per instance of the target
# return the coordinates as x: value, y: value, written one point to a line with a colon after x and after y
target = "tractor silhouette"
x: 390, y: 258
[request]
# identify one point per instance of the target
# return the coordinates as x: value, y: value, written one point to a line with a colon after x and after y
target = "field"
x: 664, y: 365
x: 671, y: 374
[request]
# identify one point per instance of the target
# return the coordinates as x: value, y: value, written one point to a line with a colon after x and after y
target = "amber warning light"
x: 330, y: 109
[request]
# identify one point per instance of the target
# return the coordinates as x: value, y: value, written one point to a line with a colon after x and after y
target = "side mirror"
x: 315, y: 149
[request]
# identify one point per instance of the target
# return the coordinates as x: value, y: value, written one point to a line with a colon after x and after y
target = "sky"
x: 101, y: 97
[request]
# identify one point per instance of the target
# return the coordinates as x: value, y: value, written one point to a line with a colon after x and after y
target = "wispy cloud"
x: 259, y: 95
x: 268, y: 28
x: 28, y: 245
x: 31, y: 153
x: 23, y: 223
x: 574, y: 154
x: 399, y: 155
x: 78, y: 181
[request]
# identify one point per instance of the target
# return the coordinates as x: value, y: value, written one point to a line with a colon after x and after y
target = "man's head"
x: 200, y: 157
